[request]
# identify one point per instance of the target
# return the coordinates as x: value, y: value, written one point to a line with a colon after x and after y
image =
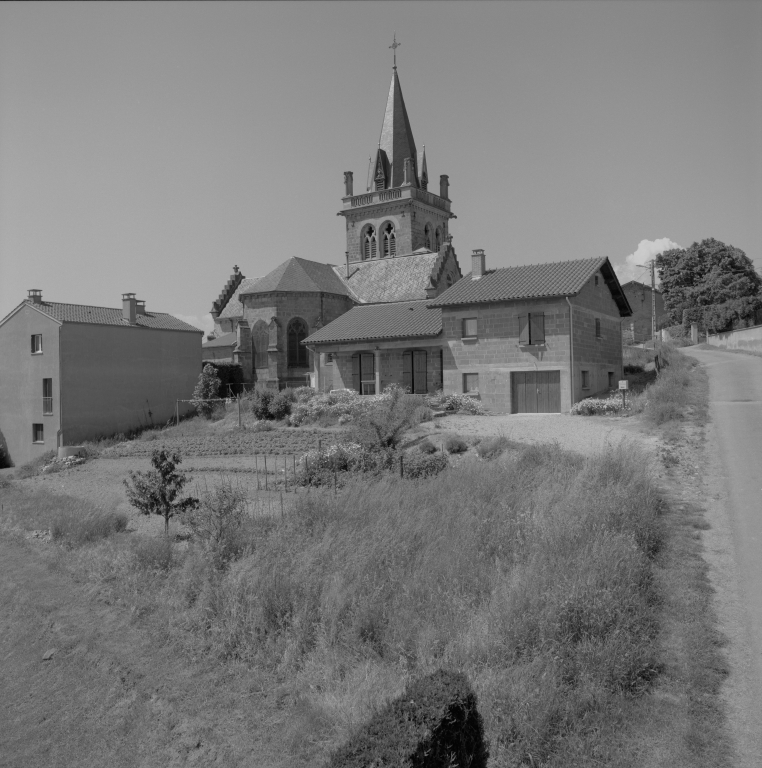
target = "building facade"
x: 638, y: 327
x: 73, y: 372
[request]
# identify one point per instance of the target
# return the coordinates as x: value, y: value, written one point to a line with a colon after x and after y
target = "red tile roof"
x: 534, y: 281
x: 226, y: 340
x: 366, y: 322
x: 82, y: 313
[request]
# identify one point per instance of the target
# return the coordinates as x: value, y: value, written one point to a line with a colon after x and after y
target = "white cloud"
x: 204, y: 323
x: 627, y: 269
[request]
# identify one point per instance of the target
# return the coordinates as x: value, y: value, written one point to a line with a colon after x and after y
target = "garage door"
x: 536, y: 392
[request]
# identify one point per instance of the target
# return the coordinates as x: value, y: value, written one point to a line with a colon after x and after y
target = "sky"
x: 149, y: 147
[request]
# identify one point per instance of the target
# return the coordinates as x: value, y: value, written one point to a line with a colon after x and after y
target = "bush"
x: 434, y: 723
x: 258, y: 401
x: 455, y: 445
x: 426, y: 446
x: 458, y: 403
x: 34, y: 467
x: 382, y: 425
x: 77, y: 528
x: 230, y: 376
x: 219, y: 522
x: 599, y: 406
x: 206, y: 391
x: 417, y: 465
x: 152, y: 554
x: 280, y: 406
x: 492, y: 447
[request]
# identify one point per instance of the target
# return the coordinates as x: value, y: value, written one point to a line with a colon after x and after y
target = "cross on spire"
x: 394, y: 47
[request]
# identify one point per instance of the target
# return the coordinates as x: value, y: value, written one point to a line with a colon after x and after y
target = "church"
x: 399, y: 310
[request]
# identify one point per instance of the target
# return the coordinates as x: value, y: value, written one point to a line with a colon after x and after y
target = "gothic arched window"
x: 439, y: 239
x: 390, y: 241
x: 427, y: 236
x: 298, y: 356
x: 369, y: 244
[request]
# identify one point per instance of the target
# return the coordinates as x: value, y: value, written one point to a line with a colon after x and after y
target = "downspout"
x: 572, y: 377
x: 59, y: 434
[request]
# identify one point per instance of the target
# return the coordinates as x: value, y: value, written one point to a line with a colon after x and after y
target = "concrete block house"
x: 532, y: 339
x: 637, y: 327
x: 73, y: 372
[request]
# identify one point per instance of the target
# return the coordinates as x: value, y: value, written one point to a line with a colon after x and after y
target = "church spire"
x: 396, y: 137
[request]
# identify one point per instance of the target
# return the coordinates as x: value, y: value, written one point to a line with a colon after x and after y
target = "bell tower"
x: 395, y: 214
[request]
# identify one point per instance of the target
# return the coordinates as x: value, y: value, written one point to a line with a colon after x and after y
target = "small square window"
x: 328, y: 358
x: 597, y: 328
x: 469, y: 328
x: 37, y: 433
x: 470, y: 383
x: 585, y: 379
x: 37, y: 344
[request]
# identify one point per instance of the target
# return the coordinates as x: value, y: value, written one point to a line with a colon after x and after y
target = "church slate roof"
x: 396, y: 135
x: 404, y: 278
x: 300, y: 275
x: 83, y: 313
x: 367, y: 322
x: 234, y: 308
x: 534, y: 281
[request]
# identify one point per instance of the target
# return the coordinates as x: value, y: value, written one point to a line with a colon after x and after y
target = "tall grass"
x: 532, y: 574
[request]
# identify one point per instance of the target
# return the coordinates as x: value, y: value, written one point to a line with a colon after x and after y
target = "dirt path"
x: 733, y: 485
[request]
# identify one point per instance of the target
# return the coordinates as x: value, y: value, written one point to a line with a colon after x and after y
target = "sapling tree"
x: 158, y: 491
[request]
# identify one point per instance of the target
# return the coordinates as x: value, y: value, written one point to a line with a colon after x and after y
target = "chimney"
x: 129, y: 307
x: 35, y: 295
x: 477, y: 264
x: 444, y: 186
x: 140, y: 307
x: 348, y: 183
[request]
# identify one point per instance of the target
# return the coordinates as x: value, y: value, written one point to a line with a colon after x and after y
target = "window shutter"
x: 407, y: 370
x: 523, y: 330
x: 537, y: 328
x: 356, y: 373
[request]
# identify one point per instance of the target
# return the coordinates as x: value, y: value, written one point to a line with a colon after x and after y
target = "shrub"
x: 77, y: 528
x: 207, y: 390
x: 492, y: 447
x: 152, y: 554
x: 280, y: 406
x: 259, y: 402
x: 157, y: 491
x: 382, y: 426
x: 231, y: 378
x: 34, y: 467
x: 262, y: 426
x: 455, y: 445
x: 417, y: 465
x: 303, y: 394
x: 426, y: 446
x: 457, y: 402
x: 599, y: 406
x: 219, y: 522
x: 434, y: 723
x: 633, y: 368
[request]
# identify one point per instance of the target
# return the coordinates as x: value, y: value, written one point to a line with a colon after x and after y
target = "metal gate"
x: 536, y: 392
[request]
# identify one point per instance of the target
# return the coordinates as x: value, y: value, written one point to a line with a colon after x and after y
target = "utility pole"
x: 652, y: 266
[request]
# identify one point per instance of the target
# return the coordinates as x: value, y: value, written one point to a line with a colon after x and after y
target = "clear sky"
x: 148, y: 147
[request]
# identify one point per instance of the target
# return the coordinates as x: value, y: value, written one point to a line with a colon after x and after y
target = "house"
x: 532, y: 339
x: 638, y: 328
x: 73, y: 372
x: 398, y: 250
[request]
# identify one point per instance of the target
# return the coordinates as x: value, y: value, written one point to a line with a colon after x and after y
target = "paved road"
x: 736, y: 436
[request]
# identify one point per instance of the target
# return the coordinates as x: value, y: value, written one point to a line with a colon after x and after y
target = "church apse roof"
x: 404, y: 278
x: 233, y: 307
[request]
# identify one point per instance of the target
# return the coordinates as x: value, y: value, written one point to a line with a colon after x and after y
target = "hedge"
x: 434, y: 723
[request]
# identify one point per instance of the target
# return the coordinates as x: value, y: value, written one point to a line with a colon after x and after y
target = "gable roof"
x: 226, y: 340
x: 534, y: 281
x: 84, y: 313
x: 233, y: 306
x: 381, y: 321
x: 637, y: 284
x: 404, y: 278
x: 303, y: 275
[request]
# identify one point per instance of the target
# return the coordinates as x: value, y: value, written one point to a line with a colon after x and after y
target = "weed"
x: 34, y: 467
x: 492, y: 447
x: 426, y: 446
x: 76, y: 527
x: 152, y: 554
x: 455, y: 445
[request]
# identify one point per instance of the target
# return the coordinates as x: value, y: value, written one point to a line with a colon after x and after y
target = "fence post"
x: 256, y: 468
x: 265, y: 455
x: 177, y: 413
x: 239, y: 411
x: 402, y: 471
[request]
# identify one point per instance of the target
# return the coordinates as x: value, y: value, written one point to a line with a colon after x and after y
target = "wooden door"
x: 536, y: 392
x: 419, y: 372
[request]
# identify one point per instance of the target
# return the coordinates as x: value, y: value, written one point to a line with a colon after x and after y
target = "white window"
x: 470, y: 383
x: 469, y: 328
x: 585, y: 379
x: 47, y: 397
x: 37, y: 344
x: 37, y: 433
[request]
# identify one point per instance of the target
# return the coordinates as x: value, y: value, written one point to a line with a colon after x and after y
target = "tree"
x: 157, y: 491
x: 207, y: 389
x: 706, y: 274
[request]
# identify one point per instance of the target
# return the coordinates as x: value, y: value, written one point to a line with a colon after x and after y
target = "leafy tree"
x: 706, y: 274
x: 157, y: 491
x: 207, y: 389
